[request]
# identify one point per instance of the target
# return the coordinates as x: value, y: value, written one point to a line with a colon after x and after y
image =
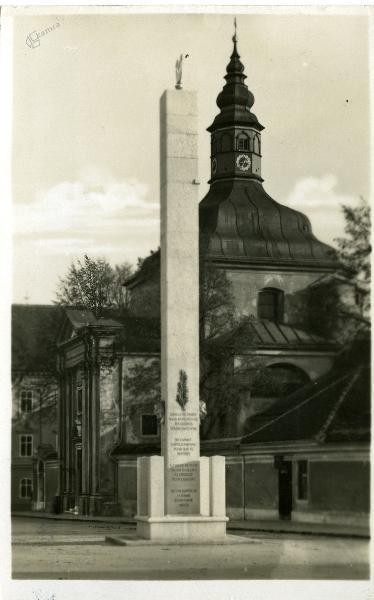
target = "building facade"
x: 35, y: 401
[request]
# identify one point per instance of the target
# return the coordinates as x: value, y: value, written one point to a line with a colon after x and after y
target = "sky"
x: 85, y: 147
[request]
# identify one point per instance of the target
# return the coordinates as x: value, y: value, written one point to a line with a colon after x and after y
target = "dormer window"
x: 270, y: 304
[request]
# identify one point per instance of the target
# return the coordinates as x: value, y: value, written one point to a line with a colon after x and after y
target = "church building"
x: 300, y: 432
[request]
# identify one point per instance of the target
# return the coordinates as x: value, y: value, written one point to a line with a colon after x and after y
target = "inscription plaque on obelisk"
x: 180, y: 301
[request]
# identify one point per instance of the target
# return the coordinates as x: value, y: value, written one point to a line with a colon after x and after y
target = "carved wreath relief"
x: 182, y: 390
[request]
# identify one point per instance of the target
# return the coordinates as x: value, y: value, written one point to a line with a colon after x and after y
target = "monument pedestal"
x: 209, y: 522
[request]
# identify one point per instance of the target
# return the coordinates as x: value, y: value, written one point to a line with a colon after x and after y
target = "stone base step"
x: 126, y: 540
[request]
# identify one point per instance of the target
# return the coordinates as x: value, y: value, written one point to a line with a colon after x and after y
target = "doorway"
x: 285, y: 489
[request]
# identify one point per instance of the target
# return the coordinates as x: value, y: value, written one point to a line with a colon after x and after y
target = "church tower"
x: 241, y: 226
x: 236, y: 131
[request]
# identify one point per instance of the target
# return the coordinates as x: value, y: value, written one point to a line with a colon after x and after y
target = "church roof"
x: 240, y: 222
x: 264, y: 334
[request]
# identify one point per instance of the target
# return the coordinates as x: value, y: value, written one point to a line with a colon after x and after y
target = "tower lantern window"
x: 243, y: 143
x: 256, y: 144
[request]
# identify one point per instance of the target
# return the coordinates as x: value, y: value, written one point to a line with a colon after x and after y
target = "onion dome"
x: 240, y: 223
x: 235, y: 100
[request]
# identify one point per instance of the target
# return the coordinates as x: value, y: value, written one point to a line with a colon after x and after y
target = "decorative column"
x: 94, y: 446
x: 85, y: 439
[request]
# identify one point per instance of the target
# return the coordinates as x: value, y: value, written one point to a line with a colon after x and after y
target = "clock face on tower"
x: 243, y: 162
x: 214, y: 165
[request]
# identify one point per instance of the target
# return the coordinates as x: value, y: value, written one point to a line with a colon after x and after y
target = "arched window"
x: 242, y: 142
x: 257, y: 144
x: 270, y: 304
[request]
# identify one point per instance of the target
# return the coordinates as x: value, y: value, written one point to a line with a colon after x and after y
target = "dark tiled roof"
x: 149, y: 269
x: 268, y: 334
x: 34, y: 333
x: 335, y: 408
x: 239, y: 221
x: 352, y: 419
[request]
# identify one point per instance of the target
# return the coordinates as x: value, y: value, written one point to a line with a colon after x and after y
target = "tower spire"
x: 236, y: 131
x: 235, y: 100
x: 235, y: 38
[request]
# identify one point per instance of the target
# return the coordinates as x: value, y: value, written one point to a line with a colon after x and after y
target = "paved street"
x: 77, y: 550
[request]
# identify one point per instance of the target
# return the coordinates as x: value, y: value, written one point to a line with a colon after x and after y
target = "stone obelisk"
x: 181, y: 496
x: 180, y: 300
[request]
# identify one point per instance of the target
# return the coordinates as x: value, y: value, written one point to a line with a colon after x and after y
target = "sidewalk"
x: 297, y: 527
x: 265, y: 526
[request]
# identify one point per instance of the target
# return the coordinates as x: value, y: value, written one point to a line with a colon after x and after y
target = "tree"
x: 94, y: 284
x: 217, y: 305
x: 336, y: 306
x: 223, y: 381
x: 355, y: 247
x: 222, y: 331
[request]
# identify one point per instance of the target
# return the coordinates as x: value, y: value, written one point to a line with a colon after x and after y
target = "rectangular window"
x: 25, y: 488
x: 26, y: 401
x: 243, y: 144
x: 302, y: 480
x: 270, y: 305
x: 149, y: 425
x: 25, y: 444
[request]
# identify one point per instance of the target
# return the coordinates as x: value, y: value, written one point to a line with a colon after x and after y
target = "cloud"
x: 68, y: 246
x: 320, y: 199
x: 91, y: 204
x: 96, y: 214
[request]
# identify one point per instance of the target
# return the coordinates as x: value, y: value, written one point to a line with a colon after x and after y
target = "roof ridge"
x: 321, y: 435
x: 297, y: 406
